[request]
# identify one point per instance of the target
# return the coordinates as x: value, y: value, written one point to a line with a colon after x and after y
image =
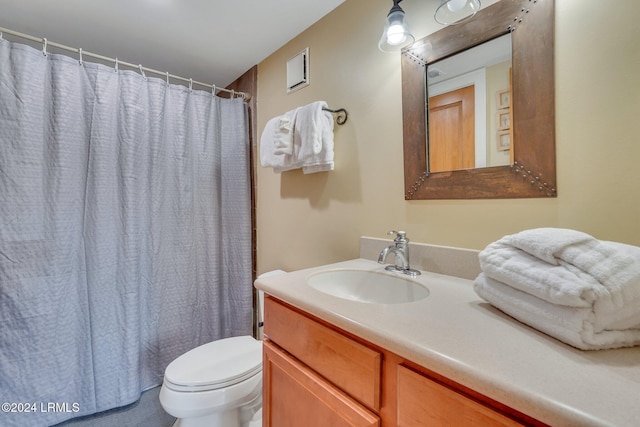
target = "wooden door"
x: 295, y: 396
x: 452, y: 130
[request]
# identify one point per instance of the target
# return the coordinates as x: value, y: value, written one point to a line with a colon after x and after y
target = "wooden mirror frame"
x: 533, y: 172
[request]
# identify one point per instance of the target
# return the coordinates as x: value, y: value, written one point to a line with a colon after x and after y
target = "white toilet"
x: 218, y: 384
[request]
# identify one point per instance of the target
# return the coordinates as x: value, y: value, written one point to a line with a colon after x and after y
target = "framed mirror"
x: 528, y: 132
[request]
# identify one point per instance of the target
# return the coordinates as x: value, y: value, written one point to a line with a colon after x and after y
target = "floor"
x: 145, y: 412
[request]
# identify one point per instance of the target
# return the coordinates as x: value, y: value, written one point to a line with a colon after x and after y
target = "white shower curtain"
x: 125, y: 231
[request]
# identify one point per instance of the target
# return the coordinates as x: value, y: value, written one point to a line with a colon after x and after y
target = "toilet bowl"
x: 218, y: 384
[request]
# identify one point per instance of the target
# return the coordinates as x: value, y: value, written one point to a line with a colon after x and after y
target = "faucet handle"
x: 400, y: 235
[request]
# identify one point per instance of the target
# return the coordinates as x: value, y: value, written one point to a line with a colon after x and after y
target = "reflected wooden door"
x: 452, y: 130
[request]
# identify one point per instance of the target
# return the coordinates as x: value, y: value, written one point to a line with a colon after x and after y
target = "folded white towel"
x: 553, y: 283
x: 309, y: 128
x: 314, y: 137
x: 545, y: 243
x: 300, y: 138
x: 322, y: 161
x: 577, y: 273
x: 268, y: 156
x: 284, y: 133
x: 571, y: 270
x: 576, y: 326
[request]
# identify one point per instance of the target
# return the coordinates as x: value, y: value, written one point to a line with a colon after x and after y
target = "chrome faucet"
x: 400, y: 250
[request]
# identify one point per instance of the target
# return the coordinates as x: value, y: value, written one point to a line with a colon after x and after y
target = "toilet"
x: 218, y: 384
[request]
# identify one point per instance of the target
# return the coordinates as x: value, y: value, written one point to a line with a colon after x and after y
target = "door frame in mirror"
x: 533, y: 172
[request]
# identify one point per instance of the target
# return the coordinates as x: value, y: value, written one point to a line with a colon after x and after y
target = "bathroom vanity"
x: 447, y: 358
x: 325, y: 375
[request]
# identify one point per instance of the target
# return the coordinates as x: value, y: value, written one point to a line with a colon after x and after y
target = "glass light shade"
x: 452, y: 12
x: 396, y: 35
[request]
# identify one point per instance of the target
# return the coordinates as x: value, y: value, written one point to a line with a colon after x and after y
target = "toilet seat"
x: 215, y: 365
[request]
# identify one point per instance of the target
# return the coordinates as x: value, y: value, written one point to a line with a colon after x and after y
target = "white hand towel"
x: 284, y: 134
x: 322, y: 161
x: 577, y: 326
x: 300, y: 138
x: 268, y: 156
x: 308, y: 126
x: 313, y: 137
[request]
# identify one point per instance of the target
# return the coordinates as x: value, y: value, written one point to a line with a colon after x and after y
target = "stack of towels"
x: 567, y: 284
x: 300, y: 138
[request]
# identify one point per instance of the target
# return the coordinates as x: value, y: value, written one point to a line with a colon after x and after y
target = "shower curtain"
x: 125, y: 232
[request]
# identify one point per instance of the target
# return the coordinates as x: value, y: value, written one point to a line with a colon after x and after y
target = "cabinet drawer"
x: 294, y: 395
x: 351, y: 366
x: 422, y: 401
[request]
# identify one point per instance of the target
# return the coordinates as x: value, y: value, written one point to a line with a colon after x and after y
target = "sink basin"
x: 377, y: 287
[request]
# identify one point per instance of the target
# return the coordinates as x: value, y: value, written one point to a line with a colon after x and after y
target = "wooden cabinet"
x: 296, y: 396
x: 317, y: 375
x: 423, y: 401
x: 349, y: 365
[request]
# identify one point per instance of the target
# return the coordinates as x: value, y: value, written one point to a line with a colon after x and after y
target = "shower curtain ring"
x: 167, y: 74
x: 116, y: 67
x: 80, y: 55
x: 44, y: 45
x: 233, y: 93
x: 190, y: 84
x: 213, y: 90
x: 144, y: 76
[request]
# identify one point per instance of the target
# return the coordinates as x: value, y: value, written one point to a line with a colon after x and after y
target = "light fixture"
x: 396, y: 35
x: 452, y: 12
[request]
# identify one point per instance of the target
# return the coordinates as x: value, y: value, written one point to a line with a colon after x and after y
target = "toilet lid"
x: 215, y: 365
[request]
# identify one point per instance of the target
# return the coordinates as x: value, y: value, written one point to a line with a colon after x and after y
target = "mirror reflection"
x: 469, y: 108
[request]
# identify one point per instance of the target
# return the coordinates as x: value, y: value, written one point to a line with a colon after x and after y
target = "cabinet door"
x: 295, y: 396
x: 424, y: 402
x: 349, y: 365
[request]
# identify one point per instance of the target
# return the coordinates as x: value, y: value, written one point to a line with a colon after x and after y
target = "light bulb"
x: 395, y: 34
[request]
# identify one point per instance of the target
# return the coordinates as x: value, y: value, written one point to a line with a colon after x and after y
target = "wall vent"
x: 298, y: 71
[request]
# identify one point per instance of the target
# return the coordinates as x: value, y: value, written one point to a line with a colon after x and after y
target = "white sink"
x: 377, y: 287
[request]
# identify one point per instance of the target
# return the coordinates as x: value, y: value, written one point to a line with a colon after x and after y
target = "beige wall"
x: 307, y: 220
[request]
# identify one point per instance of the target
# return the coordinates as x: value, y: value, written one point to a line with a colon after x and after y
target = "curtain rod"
x: 116, y: 61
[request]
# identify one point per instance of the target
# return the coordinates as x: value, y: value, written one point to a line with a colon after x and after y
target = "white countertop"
x: 456, y: 334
